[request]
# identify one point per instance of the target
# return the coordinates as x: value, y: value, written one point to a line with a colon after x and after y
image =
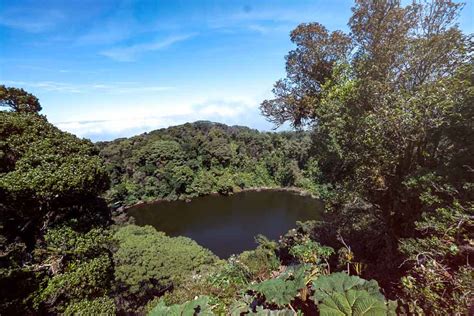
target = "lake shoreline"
x: 120, y: 214
x: 296, y: 190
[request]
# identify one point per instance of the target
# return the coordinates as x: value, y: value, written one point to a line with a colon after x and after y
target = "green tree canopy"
x: 45, y: 174
x: 389, y: 105
x: 18, y: 100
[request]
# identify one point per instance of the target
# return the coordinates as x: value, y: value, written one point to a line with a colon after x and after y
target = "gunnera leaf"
x: 238, y: 308
x: 352, y: 302
x: 340, y: 282
x: 342, y: 294
x: 260, y: 311
x: 282, y: 290
x: 199, y: 306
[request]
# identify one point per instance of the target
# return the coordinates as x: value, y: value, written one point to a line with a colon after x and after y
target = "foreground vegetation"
x: 390, y: 108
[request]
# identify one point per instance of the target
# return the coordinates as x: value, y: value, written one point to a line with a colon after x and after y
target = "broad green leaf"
x: 369, y: 305
x: 342, y: 294
x: 268, y: 312
x: 199, y: 306
x: 238, y: 308
x: 340, y: 282
x: 352, y: 302
x: 282, y: 290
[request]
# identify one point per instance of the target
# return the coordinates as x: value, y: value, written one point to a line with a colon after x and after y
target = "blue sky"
x: 105, y: 69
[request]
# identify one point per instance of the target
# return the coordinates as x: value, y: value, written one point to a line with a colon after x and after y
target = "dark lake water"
x: 228, y: 224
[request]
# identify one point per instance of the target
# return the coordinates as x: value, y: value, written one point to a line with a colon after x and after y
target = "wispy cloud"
x: 130, y: 53
x: 111, y: 88
x: 265, y: 18
x: 32, y: 21
x: 59, y: 70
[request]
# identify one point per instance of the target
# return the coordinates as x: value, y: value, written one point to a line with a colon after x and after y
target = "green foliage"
x: 248, y: 266
x: 260, y: 311
x: 144, y: 255
x: 260, y: 262
x: 282, y: 290
x: 66, y: 241
x: 390, y: 104
x: 341, y: 294
x: 225, y: 183
x: 45, y: 173
x: 222, y: 282
x: 203, y: 183
x: 352, y: 302
x: 47, y: 161
x: 311, y: 252
x: 87, y: 279
x: 18, y: 100
x: 240, y: 308
x: 17, y: 285
x: 232, y: 272
x: 342, y: 282
x: 81, y: 266
x: 438, y: 279
x: 100, y: 306
x: 198, y: 306
x: 48, y: 178
x: 202, y: 158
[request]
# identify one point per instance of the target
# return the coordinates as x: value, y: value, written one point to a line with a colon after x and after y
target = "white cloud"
x: 131, y: 121
x: 110, y: 88
x: 130, y: 53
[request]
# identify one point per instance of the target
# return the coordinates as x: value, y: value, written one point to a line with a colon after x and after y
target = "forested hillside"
x: 389, y: 109
x: 201, y: 158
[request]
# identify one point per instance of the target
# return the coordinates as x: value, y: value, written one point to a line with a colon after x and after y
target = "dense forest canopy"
x: 389, y: 112
x: 203, y: 157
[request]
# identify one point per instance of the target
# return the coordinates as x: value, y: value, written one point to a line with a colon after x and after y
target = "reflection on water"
x: 228, y: 224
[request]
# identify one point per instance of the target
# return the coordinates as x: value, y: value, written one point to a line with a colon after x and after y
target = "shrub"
x: 147, y: 256
x: 65, y: 240
x: 261, y: 261
x: 101, y: 306
x: 81, y: 280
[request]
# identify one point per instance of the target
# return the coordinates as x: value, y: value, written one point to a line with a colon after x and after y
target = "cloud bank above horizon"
x: 107, y: 126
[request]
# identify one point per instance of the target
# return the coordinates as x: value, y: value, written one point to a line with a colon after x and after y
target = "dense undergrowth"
x: 390, y: 107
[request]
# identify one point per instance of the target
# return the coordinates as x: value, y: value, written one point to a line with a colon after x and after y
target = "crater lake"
x: 228, y: 224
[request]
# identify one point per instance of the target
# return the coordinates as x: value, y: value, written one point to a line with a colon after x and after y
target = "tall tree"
x: 18, y: 100
x: 382, y: 109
